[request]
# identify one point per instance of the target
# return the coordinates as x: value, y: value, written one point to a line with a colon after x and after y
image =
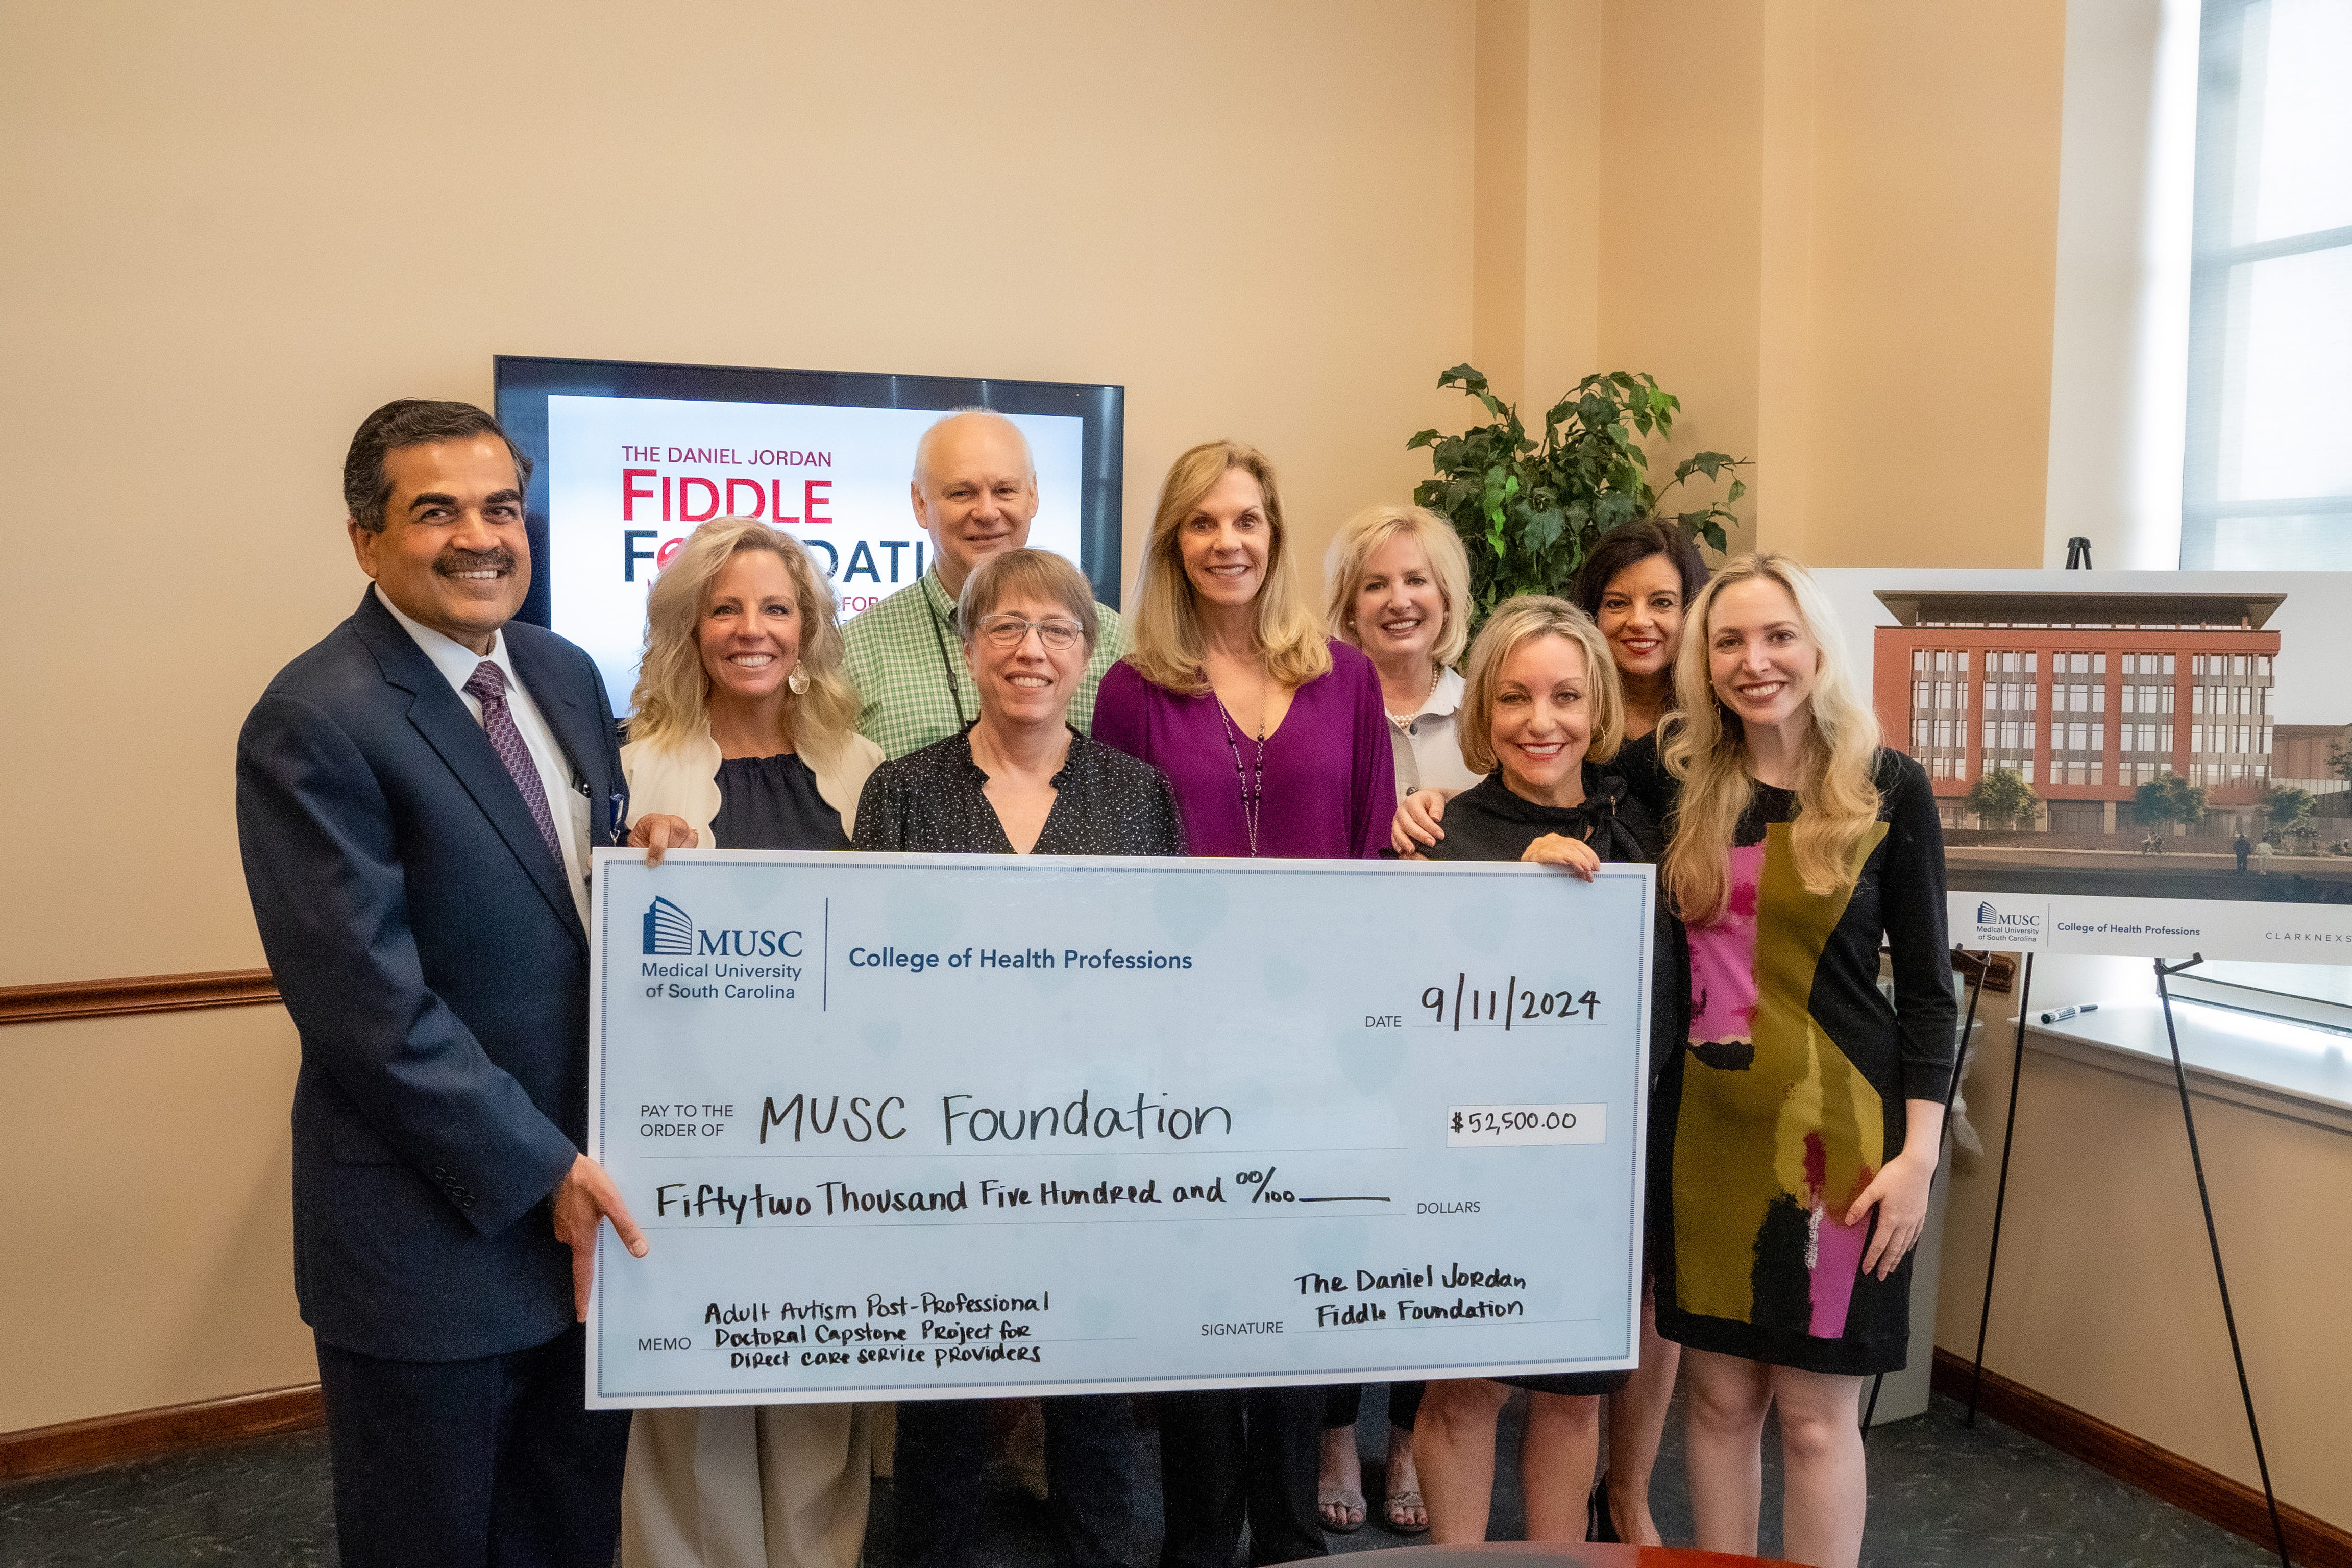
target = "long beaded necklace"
x: 1252, y: 784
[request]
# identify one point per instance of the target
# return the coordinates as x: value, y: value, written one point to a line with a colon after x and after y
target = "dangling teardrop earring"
x: 798, y: 680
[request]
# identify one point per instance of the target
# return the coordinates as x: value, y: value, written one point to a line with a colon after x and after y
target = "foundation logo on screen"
x: 670, y: 931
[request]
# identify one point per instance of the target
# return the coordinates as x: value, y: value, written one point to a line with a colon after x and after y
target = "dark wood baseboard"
x: 136, y: 993
x: 142, y: 1434
x: 2311, y: 1541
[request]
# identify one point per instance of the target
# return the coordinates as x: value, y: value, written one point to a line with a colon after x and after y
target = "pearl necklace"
x: 1404, y: 720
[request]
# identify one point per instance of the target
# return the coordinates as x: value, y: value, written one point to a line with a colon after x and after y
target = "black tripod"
x: 2204, y: 1198
x: 2213, y: 1240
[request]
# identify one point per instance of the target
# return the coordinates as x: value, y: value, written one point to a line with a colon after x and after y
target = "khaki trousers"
x: 772, y: 1485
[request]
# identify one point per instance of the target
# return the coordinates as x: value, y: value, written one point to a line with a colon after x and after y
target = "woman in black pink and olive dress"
x: 1800, y: 1127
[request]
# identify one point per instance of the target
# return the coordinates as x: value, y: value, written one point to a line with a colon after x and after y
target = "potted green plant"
x: 1531, y: 510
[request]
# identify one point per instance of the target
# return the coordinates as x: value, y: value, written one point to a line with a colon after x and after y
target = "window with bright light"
x: 2267, y: 481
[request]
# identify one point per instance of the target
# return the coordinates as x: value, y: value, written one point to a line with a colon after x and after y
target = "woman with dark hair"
x: 1636, y: 585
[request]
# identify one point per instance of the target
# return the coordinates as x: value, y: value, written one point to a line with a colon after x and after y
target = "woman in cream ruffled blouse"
x: 743, y: 737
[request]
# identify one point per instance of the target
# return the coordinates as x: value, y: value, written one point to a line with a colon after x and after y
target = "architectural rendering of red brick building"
x: 2084, y: 696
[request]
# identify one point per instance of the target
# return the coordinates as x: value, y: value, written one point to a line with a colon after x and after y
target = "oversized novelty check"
x: 911, y: 1126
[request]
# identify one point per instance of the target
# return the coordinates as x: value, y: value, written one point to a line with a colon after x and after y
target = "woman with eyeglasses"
x: 1018, y: 780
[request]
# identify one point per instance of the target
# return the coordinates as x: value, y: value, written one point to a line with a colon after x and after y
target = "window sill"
x: 2257, y: 1063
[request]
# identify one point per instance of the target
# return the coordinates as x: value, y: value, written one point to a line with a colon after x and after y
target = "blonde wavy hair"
x: 1166, y: 646
x: 1704, y: 744
x: 672, y: 698
x: 1343, y: 570
x: 1522, y: 620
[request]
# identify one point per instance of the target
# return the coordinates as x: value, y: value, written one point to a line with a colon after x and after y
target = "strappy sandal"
x: 1394, y: 1502
x: 1347, y: 1502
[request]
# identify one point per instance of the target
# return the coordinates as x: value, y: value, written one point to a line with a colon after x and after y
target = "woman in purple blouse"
x: 1271, y: 734
x: 1277, y: 744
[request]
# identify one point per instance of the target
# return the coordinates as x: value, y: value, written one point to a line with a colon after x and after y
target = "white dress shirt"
x: 568, y: 807
x: 1427, y: 747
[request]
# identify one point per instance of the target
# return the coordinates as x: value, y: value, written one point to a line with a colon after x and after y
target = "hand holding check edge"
x: 585, y: 1196
x: 657, y: 833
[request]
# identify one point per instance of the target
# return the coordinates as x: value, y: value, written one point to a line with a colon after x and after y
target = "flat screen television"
x: 630, y: 457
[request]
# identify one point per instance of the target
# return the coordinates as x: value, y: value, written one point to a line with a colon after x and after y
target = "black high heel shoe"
x: 1598, y: 1525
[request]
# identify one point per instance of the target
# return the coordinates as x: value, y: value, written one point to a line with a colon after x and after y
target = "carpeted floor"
x: 1942, y: 1495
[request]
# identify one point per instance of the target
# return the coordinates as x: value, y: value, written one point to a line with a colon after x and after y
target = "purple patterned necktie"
x: 488, y: 686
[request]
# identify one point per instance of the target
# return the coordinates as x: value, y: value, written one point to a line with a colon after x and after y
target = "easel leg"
x: 2000, y: 1193
x: 1943, y: 1134
x: 2213, y: 1240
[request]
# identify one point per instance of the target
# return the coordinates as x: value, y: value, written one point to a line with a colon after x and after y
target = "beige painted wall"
x: 1829, y: 226
x: 145, y: 1163
x: 2104, y: 1297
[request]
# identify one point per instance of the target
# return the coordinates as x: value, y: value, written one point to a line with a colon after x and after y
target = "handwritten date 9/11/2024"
x: 1506, y: 1006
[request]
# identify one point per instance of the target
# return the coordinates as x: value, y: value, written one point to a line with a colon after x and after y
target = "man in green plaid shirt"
x: 975, y: 492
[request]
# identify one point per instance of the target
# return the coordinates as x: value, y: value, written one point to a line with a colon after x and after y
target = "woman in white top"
x: 1400, y: 591
x: 1400, y: 584
x: 743, y: 739
x: 744, y: 735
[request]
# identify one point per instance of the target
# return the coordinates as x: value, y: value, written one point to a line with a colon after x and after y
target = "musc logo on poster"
x: 1995, y: 926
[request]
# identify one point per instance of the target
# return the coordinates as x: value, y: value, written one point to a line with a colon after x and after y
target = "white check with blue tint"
x: 909, y: 1126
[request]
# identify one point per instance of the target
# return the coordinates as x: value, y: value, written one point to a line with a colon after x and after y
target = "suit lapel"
x: 441, y: 717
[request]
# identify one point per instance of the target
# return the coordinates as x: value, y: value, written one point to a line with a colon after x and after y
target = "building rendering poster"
x: 2143, y: 762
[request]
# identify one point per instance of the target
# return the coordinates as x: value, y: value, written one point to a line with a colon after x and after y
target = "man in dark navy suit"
x: 416, y: 800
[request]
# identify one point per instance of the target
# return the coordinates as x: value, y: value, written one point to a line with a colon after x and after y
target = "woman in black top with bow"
x: 1542, y: 704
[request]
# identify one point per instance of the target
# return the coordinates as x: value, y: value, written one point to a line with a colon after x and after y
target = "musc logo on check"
x: 670, y: 931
